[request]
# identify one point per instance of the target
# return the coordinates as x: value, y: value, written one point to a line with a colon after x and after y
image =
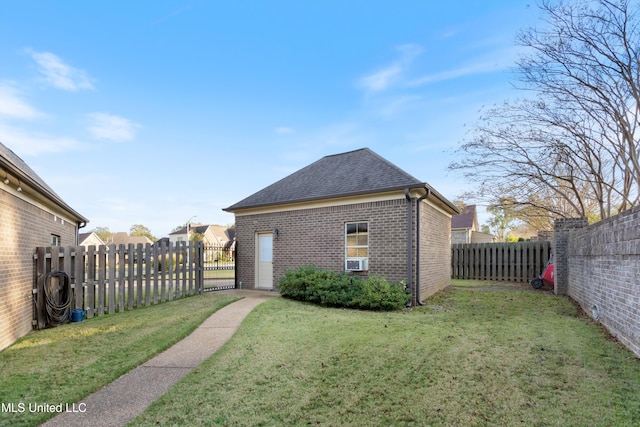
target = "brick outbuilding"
x: 354, y: 212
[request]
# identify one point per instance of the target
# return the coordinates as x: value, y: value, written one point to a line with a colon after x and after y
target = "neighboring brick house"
x: 464, y: 228
x: 353, y: 211
x: 31, y: 215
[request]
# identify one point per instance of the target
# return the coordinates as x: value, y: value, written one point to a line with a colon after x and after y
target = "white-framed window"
x: 55, y: 240
x: 356, y: 247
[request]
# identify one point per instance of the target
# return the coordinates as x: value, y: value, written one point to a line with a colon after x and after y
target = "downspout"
x: 418, y: 244
x: 79, y: 225
x: 409, y: 245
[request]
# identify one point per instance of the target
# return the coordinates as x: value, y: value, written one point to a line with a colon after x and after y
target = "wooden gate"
x: 109, y: 279
x: 513, y: 262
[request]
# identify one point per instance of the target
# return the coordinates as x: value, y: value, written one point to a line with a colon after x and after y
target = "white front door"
x: 264, y: 267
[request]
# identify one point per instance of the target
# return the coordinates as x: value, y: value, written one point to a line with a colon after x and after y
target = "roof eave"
x: 27, y: 180
x: 412, y: 186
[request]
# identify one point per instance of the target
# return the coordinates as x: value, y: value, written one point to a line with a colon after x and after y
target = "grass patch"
x: 219, y: 274
x: 467, y: 358
x: 67, y: 363
x: 491, y: 285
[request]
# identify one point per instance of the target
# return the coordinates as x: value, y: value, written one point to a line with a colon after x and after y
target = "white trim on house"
x: 340, y: 201
x: 29, y: 197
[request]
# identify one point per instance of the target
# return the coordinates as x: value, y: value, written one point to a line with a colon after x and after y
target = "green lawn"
x: 470, y: 357
x: 219, y: 274
x: 67, y: 363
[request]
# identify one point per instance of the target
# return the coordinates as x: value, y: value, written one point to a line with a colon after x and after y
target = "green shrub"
x: 376, y: 293
x: 333, y: 289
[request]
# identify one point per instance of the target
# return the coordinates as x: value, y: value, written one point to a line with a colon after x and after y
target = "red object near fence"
x: 546, y: 278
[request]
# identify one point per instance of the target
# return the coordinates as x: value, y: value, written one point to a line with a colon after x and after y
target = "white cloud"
x: 380, y: 80
x: 113, y: 128
x: 285, y: 130
x: 33, y: 144
x: 60, y: 75
x: 492, y: 62
x: 384, y: 78
x: 398, y: 104
x: 12, y: 105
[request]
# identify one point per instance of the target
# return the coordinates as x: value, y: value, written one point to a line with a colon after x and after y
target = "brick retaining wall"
x: 599, y: 267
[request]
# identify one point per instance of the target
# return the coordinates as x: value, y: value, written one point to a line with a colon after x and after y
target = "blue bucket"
x: 77, y: 315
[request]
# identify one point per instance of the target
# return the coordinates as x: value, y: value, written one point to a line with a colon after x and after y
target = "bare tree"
x: 571, y: 149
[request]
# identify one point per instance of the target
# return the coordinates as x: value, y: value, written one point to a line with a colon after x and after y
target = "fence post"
x: 199, y: 267
x: 153, y: 262
x: 78, y: 289
x: 171, y: 260
x: 162, y: 269
x: 91, y: 284
x: 131, y: 276
x: 102, y: 278
x: 147, y: 274
x: 41, y: 273
x: 112, y: 279
x: 121, y: 276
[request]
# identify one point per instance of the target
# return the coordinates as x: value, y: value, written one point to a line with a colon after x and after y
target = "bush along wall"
x: 333, y: 289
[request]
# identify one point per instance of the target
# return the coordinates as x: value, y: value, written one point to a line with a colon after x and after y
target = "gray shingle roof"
x: 14, y: 160
x: 355, y: 172
x: 465, y: 219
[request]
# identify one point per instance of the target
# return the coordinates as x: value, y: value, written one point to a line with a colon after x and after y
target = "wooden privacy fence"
x: 514, y: 262
x: 110, y: 279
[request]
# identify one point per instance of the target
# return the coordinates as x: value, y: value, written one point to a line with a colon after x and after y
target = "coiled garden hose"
x: 57, y: 308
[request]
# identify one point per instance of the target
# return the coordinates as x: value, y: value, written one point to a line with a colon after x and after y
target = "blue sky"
x: 155, y: 111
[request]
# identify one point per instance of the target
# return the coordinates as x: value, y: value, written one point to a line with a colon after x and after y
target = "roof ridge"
x: 355, y: 172
x: 347, y: 152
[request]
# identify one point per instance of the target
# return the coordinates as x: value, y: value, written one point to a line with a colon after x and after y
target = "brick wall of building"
x: 601, y: 271
x: 23, y: 227
x: 435, y: 250
x: 316, y: 236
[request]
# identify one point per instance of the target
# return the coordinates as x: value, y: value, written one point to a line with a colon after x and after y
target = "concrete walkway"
x: 121, y: 401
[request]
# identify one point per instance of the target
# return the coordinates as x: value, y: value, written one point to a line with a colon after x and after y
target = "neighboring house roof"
x: 214, y: 234
x: 15, y: 168
x: 82, y: 237
x: 193, y: 228
x: 162, y: 241
x: 466, y: 219
x: 340, y: 175
x: 122, y: 238
x: 222, y: 233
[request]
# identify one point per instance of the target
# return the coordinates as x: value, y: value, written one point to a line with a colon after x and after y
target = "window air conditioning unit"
x: 356, y: 264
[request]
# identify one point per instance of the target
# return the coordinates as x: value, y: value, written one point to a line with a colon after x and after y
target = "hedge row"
x: 342, y: 290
